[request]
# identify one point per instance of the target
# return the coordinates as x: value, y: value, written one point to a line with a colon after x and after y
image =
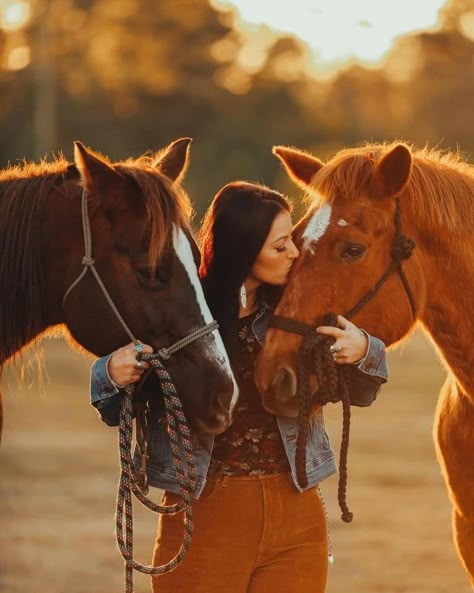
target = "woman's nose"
x: 294, y: 252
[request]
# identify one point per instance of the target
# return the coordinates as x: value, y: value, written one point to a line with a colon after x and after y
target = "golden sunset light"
x: 338, y: 31
x: 14, y: 14
x: 232, y: 171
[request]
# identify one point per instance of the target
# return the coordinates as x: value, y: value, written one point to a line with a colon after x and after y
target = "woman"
x: 255, y: 531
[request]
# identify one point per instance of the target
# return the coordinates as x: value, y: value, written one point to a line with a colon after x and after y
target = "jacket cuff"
x: 101, y: 386
x: 374, y: 361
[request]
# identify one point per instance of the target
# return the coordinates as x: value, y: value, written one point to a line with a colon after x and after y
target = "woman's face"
x: 275, y: 259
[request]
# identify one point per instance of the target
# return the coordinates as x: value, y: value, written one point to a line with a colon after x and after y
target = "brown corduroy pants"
x: 252, y: 534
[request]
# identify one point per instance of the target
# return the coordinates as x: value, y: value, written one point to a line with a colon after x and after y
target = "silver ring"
x: 138, y: 347
x: 335, y: 348
x: 139, y: 365
x: 334, y: 356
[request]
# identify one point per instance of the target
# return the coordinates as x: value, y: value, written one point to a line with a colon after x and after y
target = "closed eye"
x: 153, y: 278
x: 352, y: 251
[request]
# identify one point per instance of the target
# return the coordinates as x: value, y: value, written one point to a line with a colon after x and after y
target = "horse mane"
x: 166, y: 203
x: 434, y: 173
x: 24, y: 190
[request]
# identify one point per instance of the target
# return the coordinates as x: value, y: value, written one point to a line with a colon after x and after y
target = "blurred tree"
x: 434, y: 80
x: 423, y: 93
x: 127, y: 76
x: 353, y: 105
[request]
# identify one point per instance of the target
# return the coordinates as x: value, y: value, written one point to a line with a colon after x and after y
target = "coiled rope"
x: 181, y: 446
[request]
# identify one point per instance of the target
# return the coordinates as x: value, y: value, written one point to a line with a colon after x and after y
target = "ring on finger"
x: 139, y: 365
x: 335, y: 348
x: 334, y: 355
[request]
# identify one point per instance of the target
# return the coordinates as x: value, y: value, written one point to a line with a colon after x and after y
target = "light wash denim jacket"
x: 368, y: 377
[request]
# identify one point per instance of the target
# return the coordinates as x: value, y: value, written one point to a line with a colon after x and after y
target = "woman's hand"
x: 351, y: 342
x: 123, y: 366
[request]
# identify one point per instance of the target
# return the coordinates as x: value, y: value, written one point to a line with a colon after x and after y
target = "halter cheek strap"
x: 402, y: 248
x: 89, y: 264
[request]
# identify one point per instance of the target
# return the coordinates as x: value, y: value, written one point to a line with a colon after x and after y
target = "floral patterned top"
x: 252, y: 444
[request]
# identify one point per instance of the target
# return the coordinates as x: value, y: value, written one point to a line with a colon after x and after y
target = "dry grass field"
x: 59, y: 471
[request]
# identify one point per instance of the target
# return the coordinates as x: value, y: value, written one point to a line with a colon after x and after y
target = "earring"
x: 243, y: 296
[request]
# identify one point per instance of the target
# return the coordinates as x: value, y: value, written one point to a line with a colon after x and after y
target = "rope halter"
x: 180, y: 436
x: 315, y: 357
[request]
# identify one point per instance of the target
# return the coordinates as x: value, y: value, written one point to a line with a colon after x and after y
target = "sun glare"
x: 14, y: 14
x: 339, y: 30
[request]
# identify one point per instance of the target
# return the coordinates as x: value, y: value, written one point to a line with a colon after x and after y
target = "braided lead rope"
x: 315, y: 356
x: 346, y: 515
x: 181, y: 446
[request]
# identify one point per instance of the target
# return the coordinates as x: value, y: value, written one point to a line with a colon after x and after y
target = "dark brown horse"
x: 346, y: 243
x: 143, y: 252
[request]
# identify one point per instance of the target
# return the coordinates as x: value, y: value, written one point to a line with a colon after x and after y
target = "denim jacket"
x: 369, y: 374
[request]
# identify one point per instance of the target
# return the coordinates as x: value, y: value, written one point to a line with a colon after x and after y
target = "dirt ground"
x: 59, y: 470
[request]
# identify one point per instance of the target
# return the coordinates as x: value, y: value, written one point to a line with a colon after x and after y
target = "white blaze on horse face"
x: 316, y: 227
x: 184, y: 252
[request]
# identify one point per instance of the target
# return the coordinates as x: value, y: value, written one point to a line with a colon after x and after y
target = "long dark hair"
x: 233, y: 232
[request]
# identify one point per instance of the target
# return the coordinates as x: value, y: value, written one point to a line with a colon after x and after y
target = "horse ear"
x: 299, y: 165
x: 95, y: 172
x: 174, y: 159
x: 393, y: 172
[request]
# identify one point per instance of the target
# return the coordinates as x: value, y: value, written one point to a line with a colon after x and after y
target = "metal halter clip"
x: 142, y: 478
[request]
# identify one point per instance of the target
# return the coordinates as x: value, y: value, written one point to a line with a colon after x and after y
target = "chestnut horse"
x: 346, y: 247
x: 143, y: 252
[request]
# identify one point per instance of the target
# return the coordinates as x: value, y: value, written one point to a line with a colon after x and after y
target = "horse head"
x: 144, y: 254
x: 347, y: 242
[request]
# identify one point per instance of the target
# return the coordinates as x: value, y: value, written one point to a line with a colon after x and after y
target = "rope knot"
x: 164, y: 353
x: 88, y: 261
x: 347, y: 516
x: 402, y: 249
x: 316, y: 357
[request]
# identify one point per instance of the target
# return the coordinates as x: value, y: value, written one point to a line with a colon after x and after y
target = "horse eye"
x: 352, y: 251
x: 149, y: 277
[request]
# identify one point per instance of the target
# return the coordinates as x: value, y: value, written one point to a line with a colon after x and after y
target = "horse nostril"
x: 284, y: 385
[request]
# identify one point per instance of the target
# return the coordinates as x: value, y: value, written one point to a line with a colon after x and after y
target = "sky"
x: 340, y: 30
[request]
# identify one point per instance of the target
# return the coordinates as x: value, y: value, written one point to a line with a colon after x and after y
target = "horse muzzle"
x: 280, y: 396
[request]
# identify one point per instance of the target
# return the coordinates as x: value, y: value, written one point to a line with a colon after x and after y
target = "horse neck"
x: 24, y: 287
x: 447, y: 263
